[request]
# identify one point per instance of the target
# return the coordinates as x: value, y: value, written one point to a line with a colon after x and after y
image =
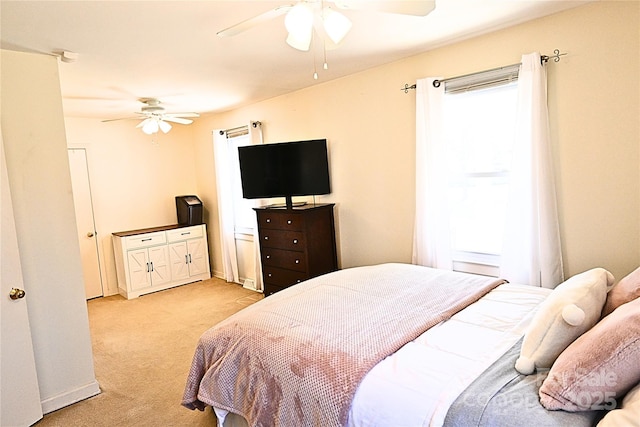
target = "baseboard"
x: 70, y: 397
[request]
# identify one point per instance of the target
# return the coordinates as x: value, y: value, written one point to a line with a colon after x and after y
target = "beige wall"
x: 594, y: 101
x: 134, y: 178
x: 370, y: 125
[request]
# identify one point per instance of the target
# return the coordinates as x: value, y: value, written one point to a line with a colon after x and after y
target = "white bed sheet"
x: 416, y: 385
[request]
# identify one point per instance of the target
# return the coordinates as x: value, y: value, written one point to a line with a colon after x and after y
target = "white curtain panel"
x: 225, y: 207
x: 432, y: 236
x: 531, y: 251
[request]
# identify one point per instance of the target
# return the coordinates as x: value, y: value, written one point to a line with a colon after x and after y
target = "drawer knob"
x: 298, y: 281
x: 295, y: 241
x: 266, y: 237
x: 268, y: 256
x: 297, y: 261
x: 289, y: 222
x: 268, y: 220
x: 269, y: 274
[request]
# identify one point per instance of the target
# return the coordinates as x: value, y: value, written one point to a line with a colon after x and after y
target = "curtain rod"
x: 255, y: 124
x: 543, y: 60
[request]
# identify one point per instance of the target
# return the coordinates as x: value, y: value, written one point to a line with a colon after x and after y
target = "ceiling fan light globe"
x: 164, y: 126
x: 336, y: 25
x: 299, y: 18
x: 299, y: 25
x: 150, y: 127
x: 300, y: 43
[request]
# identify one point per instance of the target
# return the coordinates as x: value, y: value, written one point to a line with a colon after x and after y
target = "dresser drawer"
x: 145, y: 240
x: 292, y: 260
x: 280, y: 220
x: 288, y: 240
x: 184, y: 233
x: 282, y: 277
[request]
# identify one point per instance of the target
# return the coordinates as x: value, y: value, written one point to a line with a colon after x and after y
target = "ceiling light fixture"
x: 299, y: 23
x: 152, y: 125
x: 335, y: 24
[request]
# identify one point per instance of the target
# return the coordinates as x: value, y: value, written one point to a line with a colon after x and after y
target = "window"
x: 478, y: 128
x: 464, y: 161
x: 244, y: 216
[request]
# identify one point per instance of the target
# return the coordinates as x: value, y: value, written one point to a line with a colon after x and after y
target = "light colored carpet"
x: 142, y: 352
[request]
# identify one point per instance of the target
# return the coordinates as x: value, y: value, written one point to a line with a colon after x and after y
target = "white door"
x: 19, y: 393
x: 85, y: 222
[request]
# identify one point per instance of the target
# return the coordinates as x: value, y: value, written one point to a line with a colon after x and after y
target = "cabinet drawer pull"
x: 266, y: 237
x: 295, y: 241
x: 268, y: 220
x: 186, y: 259
x: 190, y: 259
x: 269, y: 274
x: 289, y: 221
x: 268, y: 257
x: 148, y: 268
x: 186, y: 233
x: 297, y: 261
x: 146, y: 240
x: 151, y: 266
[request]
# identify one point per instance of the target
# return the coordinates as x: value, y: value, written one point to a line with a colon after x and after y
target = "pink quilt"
x: 297, y: 357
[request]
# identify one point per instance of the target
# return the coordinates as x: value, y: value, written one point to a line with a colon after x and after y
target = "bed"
x: 383, y: 345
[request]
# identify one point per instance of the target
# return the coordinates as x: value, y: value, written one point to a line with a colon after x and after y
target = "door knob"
x: 16, y: 293
x: 90, y: 234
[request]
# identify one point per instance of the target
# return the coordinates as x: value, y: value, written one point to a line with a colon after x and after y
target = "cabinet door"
x: 159, y: 260
x: 139, y: 269
x: 198, y: 262
x: 179, y: 259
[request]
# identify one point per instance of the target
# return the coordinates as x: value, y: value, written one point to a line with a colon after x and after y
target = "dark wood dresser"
x: 296, y: 244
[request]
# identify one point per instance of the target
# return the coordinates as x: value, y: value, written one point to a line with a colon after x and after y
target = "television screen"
x: 286, y: 169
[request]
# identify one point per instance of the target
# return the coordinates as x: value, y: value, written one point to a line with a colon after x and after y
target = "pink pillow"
x: 624, y: 291
x: 599, y: 367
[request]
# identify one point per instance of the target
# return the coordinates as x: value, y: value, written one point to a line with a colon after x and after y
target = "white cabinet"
x: 148, y: 267
x: 188, y: 252
x: 159, y: 258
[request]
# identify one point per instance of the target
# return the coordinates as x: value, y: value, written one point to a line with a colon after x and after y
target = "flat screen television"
x: 284, y: 169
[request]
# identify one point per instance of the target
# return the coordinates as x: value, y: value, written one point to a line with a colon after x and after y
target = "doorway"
x: 85, y: 222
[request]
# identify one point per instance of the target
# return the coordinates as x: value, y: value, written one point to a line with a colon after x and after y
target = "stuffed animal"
x: 570, y: 310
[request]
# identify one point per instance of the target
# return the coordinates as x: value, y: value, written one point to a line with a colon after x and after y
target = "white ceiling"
x: 170, y: 50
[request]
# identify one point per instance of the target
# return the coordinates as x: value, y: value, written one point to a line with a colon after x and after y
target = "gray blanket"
x: 501, y: 397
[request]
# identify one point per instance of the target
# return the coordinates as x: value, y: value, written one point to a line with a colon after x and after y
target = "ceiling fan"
x: 305, y: 16
x: 155, y: 118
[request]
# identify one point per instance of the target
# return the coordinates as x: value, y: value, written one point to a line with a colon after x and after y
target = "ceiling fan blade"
x: 252, y: 22
x: 177, y: 120
x: 121, y: 118
x: 403, y: 7
x: 182, y: 115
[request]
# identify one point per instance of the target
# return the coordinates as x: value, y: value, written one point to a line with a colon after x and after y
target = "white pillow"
x: 570, y: 310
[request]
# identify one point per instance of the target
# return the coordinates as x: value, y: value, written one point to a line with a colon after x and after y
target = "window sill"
x: 476, y: 263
